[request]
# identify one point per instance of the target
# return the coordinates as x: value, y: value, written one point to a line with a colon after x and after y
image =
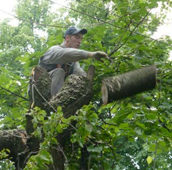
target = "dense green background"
x: 133, y: 133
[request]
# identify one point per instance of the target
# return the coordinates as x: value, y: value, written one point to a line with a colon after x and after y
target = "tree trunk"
x: 77, y: 91
x: 128, y: 84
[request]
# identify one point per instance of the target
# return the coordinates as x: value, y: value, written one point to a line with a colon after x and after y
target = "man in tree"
x: 62, y: 60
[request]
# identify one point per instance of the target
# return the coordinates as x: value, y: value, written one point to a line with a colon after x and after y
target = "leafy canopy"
x: 133, y: 133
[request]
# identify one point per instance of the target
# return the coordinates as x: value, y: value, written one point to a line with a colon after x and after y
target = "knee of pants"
x: 58, y: 72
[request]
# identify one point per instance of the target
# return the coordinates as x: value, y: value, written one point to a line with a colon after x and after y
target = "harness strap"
x: 64, y: 67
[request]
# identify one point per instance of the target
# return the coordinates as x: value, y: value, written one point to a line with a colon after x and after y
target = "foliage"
x: 133, y: 133
x: 4, y: 162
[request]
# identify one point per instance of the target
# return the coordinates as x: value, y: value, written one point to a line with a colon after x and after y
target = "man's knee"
x: 57, y: 77
x: 57, y: 72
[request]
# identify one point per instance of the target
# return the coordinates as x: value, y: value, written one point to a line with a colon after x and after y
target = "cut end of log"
x: 104, y: 93
x: 90, y: 73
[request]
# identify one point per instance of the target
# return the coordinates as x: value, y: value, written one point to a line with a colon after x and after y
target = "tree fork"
x: 128, y: 84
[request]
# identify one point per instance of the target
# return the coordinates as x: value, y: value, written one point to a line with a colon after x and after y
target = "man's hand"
x: 98, y: 55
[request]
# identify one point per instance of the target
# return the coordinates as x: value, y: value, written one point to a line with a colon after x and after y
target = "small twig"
x: 164, y: 125
x: 29, y: 155
x: 14, y: 93
x: 18, y: 156
x: 59, y: 149
x: 73, y: 127
x: 106, y: 122
x: 139, y: 23
x: 154, y: 164
x: 73, y: 152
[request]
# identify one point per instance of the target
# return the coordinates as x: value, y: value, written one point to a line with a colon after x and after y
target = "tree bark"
x: 39, y: 87
x: 16, y: 142
x: 77, y: 91
x: 128, y: 84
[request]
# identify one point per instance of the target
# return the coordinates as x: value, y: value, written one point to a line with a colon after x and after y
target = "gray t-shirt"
x: 59, y: 54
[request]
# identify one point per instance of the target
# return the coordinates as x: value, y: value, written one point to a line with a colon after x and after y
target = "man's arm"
x: 59, y: 55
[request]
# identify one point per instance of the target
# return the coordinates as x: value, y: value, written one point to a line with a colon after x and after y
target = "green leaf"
x: 124, y: 126
x: 88, y: 127
x: 141, y: 125
x: 149, y: 160
x: 45, y: 156
x: 96, y: 149
x: 151, y: 116
x: 152, y: 147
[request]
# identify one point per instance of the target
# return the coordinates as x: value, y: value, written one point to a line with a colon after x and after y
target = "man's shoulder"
x: 55, y: 46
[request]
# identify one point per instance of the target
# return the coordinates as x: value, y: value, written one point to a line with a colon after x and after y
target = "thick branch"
x: 76, y: 92
x: 128, y: 84
x: 14, y: 140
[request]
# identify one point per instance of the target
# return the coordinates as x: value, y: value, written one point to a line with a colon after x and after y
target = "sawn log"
x: 128, y: 84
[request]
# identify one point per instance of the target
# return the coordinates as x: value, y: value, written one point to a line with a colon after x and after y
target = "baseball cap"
x: 74, y: 30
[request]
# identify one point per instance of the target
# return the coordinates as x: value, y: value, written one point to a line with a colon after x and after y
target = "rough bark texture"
x: 39, y: 87
x: 77, y: 91
x: 39, y: 93
x: 128, y: 84
x: 16, y: 142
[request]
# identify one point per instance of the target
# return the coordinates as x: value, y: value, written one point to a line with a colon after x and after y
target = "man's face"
x: 74, y: 41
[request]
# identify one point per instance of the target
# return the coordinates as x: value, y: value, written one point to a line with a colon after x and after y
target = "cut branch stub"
x: 39, y: 87
x: 128, y: 84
